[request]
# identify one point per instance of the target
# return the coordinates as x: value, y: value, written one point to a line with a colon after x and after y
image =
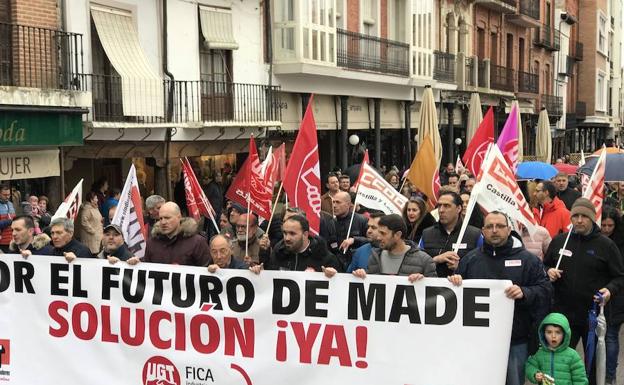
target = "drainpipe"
x: 169, y: 113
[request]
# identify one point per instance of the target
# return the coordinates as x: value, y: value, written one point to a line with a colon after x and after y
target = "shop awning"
x: 216, y: 27
x: 29, y: 164
x: 142, y: 87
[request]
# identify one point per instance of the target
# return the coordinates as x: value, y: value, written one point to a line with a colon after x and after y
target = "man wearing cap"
x: 590, y: 263
x: 114, y: 246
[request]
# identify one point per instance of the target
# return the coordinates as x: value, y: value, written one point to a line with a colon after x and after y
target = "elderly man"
x: 249, y: 237
x: 175, y: 240
x: 24, y: 240
x: 221, y: 253
x: 503, y: 256
x: 153, y: 203
x: 62, y: 234
x: 114, y: 246
x: 590, y: 264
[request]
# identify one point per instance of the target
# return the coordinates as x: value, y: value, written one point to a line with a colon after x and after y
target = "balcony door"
x: 217, y: 90
x: 105, y: 83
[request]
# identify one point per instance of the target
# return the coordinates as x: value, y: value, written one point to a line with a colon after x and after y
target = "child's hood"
x: 559, y: 320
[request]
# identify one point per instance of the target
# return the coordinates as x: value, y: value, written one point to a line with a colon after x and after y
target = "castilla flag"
x: 477, y: 148
x: 302, y: 180
x: 424, y: 174
x: 196, y: 201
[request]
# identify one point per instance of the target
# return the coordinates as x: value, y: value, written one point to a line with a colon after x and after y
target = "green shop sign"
x: 33, y: 128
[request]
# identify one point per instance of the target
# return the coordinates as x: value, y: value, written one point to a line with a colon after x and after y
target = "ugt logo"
x: 160, y: 371
x: 5, y: 352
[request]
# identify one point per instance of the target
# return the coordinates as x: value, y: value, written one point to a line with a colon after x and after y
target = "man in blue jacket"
x: 502, y: 256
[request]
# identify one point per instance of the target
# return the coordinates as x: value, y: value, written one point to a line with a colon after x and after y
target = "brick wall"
x: 384, y: 18
x: 588, y: 20
x: 353, y: 15
x: 37, y: 13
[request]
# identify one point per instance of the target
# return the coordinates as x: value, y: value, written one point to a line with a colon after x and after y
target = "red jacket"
x: 554, y: 216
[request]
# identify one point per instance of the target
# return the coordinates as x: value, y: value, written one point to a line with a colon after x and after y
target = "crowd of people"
x: 552, y: 297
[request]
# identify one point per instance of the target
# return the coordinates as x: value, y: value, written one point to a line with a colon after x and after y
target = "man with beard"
x: 300, y: 251
x: 362, y: 254
x: 114, y: 245
x: 395, y: 257
x: 247, y: 236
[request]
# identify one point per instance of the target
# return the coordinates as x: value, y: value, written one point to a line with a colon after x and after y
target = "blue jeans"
x: 613, y: 349
x: 518, y: 355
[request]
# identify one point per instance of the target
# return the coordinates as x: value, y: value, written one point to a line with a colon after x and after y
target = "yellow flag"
x: 423, y: 172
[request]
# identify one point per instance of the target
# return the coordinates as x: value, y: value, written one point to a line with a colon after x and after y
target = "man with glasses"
x: 247, y: 240
x: 551, y: 212
x: 440, y: 240
x: 502, y: 256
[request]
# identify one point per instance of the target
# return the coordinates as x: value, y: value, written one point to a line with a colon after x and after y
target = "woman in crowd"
x: 91, y: 223
x: 417, y: 218
x: 392, y: 177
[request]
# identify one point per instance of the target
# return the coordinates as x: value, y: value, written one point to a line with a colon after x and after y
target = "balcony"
x: 580, y: 110
x: 164, y: 101
x: 482, y: 74
x: 39, y: 57
x: 369, y: 53
x: 470, y: 68
x: 553, y: 104
x: 567, y: 67
x: 547, y: 37
x: 501, y: 78
x: 444, y: 66
x: 577, y: 51
x: 528, y: 83
x: 528, y: 14
x: 501, y: 6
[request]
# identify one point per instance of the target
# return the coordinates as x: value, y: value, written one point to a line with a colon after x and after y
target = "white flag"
x: 376, y: 193
x: 129, y: 215
x: 497, y: 190
x: 594, y: 190
x: 70, y: 206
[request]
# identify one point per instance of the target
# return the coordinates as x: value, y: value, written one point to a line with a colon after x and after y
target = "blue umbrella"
x: 535, y: 170
x: 614, y: 171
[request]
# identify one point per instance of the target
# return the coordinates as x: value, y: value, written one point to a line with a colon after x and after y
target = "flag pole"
x: 469, y: 209
x: 403, y: 184
x: 247, y: 233
x: 563, y: 248
x: 352, y: 215
x: 279, y: 192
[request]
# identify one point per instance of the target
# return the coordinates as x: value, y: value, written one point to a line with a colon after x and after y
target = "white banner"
x: 129, y: 215
x: 93, y: 323
x: 71, y: 205
x: 376, y: 193
x: 29, y: 164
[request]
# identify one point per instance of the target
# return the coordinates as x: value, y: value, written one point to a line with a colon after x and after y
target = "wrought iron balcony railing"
x: 530, y: 8
x: 577, y: 50
x: 547, y: 37
x: 481, y: 74
x: 369, y: 53
x: 470, y: 68
x: 39, y: 57
x: 528, y: 82
x: 553, y: 104
x: 444, y: 66
x: 502, y: 78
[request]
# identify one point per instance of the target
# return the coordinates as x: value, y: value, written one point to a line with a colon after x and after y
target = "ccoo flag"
x: 196, y: 201
x: 70, y: 206
x: 376, y: 193
x: 129, y: 215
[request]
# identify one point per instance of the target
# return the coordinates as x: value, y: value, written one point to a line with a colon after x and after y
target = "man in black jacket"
x: 343, y: 212
x: 440, y: 240
x: 300, y: 251
x: 62, y: 233
x: 503, y: 256
x: 114, y: 247
x: 564, y: 192
x: 590, y: 263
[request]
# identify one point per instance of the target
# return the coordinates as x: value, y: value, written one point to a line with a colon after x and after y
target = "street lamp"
x: 354, y: 140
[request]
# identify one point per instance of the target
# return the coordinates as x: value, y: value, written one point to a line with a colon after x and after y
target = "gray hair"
x: 153, y: 200
x: 67, y: 224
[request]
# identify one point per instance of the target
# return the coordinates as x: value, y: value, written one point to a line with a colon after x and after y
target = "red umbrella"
x: 569, y: 169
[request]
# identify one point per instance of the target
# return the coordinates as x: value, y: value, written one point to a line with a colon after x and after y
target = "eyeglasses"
x: 496, y: 226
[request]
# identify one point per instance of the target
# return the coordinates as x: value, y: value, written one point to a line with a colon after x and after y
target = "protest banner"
x: 376, y: 193
x: 165, y: 324
x: 129, y: 215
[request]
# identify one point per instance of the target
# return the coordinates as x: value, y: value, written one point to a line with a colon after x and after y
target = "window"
x: 341, y: 14
x: 369, y: 10
x: 215, y: 71
x: 284, y: 25
x: 422, y: 38
x: 601, y: 93
x: 396, y: 19
x: 602, y: 33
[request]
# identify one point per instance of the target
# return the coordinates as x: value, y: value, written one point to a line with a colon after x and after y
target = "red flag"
x: 279, y: 163
x: 475, y: 153
x: 196, y: 201
x: 249, y: 184
x: 302, y: 181
x: 365, y: 160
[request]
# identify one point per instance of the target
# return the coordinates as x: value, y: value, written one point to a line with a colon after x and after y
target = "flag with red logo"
x: 424, y: 173
x: 70, y: 206
x: 477, y: 148
x: 364, y: 160
x: 302, y: 181
x: 129, y: 215
x: 497, y: 190
x: 376, y: 193
x: 279, y: 163
x: 508, y: 139
x: 197, y: 203
x: 595, y: 187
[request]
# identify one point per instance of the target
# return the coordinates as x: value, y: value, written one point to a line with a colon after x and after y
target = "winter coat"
x: 360, y: 258
x: 358, y: 229
x: 186, y: 247
x: 414, y: 261
x: 436, y: 240
x: 315, y: 256
x: 7, y: 213
x: 415, y: 234
x: 80, y: 250
x: 253, y: 249
x: 40, y: 245
x: 554, y: 216
x: 513, y: 262
x: 568, y: 196
x: 562, y: 363
x: 122, y: 253
x: 595, y: 263
x: 538, y: 244
x: 617, y: 302
x: 327, y: 203
x: 91, y: 229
